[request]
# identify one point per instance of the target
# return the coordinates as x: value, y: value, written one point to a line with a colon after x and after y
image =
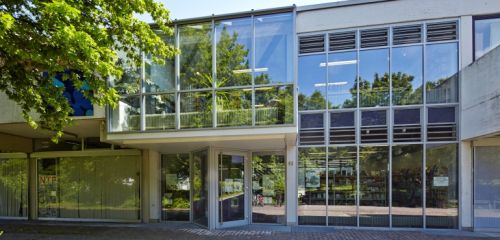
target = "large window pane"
x: 487, y: 187
x: 130, y: 82
x: 200, y: 187
x: 234, y: 43
x: 13, y: 187
x: 441, y: 73
x: 160, y: 112
x: 234, y: 107
x: 273, y: 48
x: 374, y: 77
x: 342, y: 87
x: 374, y: 186
x: 196, y: 110
x: 407, y: 71
x: 274, y: 105
x: 195, y: 43
x: 407, y: 186
x: 486, y: 36
x: 312, y: 186
x: 342, y: 186
x: 312, y: 82
x: 159, y: 77
x: 100, y: 187
x: 268, y: 188
x: 126, y: 115
x: 175, y: 187
x: 441, y: 186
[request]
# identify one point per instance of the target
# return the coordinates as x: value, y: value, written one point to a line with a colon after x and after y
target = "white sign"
x: 440, y: 182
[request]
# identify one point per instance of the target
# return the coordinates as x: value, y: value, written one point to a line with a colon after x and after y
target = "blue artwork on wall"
x: 81, y: 105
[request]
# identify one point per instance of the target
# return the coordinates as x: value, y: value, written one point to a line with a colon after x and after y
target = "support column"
x: 465, y: 185
x: 291, y: 185
x: 154, y: 186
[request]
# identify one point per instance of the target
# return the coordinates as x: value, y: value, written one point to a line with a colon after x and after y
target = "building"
x: 313, y: 115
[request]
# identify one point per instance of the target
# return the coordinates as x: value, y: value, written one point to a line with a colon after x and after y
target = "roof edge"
x: 344, y: 3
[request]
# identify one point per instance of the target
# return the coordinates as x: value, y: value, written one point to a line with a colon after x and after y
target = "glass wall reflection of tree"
x: 268, y: 188
x: 175, y: 187
x: 312, y: 186
x: 342, y: 186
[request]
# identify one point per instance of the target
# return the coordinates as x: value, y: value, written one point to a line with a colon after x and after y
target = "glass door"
x: 232, y: 201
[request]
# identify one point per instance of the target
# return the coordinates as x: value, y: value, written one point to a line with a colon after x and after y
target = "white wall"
x: 390, y: 12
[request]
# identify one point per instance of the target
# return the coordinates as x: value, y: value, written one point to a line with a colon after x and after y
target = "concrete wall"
x: 481, y: 97
x: 390, y: 12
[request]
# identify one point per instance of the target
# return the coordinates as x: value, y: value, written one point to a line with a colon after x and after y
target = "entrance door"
x: 232, y: 189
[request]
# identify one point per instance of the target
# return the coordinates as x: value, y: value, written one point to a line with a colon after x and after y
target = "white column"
x: 154, y: 186
x: 465, y: 184
x: 291, y: 185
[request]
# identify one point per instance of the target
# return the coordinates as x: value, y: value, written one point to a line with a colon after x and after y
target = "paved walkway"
x: 78, y: 231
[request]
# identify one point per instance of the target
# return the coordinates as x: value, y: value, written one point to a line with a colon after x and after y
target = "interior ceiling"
x: 244, y: 145
x: 81, y: 128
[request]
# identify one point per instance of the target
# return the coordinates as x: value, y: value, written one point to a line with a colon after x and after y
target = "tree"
x: 79, y: 39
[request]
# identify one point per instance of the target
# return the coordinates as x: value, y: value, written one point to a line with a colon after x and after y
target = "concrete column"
x: 154, y: 186
x: 291, y: 185
x: 465, y: 185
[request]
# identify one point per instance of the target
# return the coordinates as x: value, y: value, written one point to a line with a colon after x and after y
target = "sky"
x: 182, y: 9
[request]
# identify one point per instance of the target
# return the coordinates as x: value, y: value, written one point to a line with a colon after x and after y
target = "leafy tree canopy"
x: 78, y: 39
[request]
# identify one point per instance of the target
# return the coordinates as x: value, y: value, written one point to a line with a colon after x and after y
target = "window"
x: 442, y: 186
x: 126, y: 115
x: 407, y: 126
x: 312, y: 82
x: 441, y: 125
x: 195, y: 43
x: 374, y: 77
x: 160, y: 112
x: 312, y: 130
x: 342, y: 128
x: 196, y: 110
x: 441, y: 73
x: 274, y: 105
x: 13, y: 185
x: 273, y: 48
x: 374, y: 126
x: 234, y: 107
x: 312, y: 186
x: 342, y: 86
x: 486, y: 35
x: 175, y: 187
x: 407, y: 75
x: 234, y: 44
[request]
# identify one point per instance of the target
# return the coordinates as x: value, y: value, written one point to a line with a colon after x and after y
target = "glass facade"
x: 230, y: 73
x: 13, y: 186
x: 90, y: 187
x: 382, y: 151
x: 486, y: 35
x: 175, y: 187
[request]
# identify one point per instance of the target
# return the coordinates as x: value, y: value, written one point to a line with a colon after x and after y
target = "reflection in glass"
x: 100, y: 187
x: 196, y: 110
x: 407, y: 186
x: 342, y: 186
x: 126, y: 115
x: 312, y: 186
x: 342, y: 71
x: 195, y: 42
x: 312, y: 82
x: 268, y: 188
x: 274, y: 105
x: 441, y: 186
x: 158, y: 78
x: 231, y: 188
x: 130, y: 82
x: 200, y: 188
x: 175, y: 187
x: 234, y: 41
x: 487, y: 187
x: 13, y: 187
x: 486, y: 35
x: 374, y: 186
x: 273, y: 48
x: 234, y: 107
x: 407, y: 74
x: 160, y: 112
x: 441, y: 73
x: 374, y: 77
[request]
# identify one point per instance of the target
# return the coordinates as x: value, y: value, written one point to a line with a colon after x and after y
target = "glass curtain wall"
x: 175, y: 187
x: 390, y: 160
x: 486, y: 35
x: 230, y: 73
x: 13, y: 186
x: 200, y: 187
x: 268, y: 188
x: 98, y: 187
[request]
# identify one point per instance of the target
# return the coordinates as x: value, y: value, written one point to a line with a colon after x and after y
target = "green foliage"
x: 39, y: 39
